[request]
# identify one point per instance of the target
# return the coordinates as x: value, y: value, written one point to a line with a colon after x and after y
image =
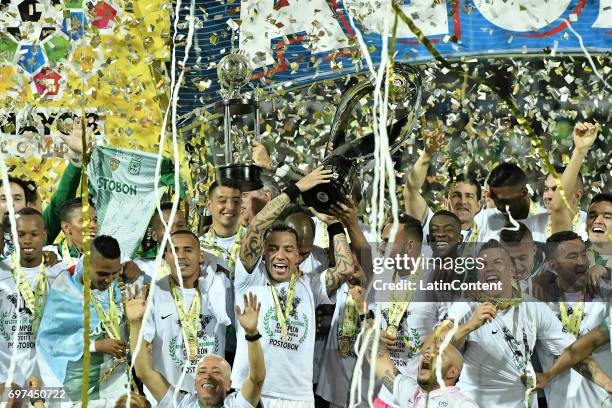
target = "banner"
x: 123, y: 190
x: 293, y: 42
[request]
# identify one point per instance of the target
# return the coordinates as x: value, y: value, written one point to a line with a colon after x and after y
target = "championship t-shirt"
x: 336, y: 370
x: 540, y: 229
x: 233, y: 400
x: 497, y: 354
x: 11, y: 302
x: 570, y: 389
x: 164, y: 331
x: 289, y: 362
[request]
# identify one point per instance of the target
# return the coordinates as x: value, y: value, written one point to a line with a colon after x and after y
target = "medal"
x: 34, y: 301
x: 344, y: 346
x: 189, y: 319
x: 350, y: 318
x: 392, y: 331
x: 282, y: 316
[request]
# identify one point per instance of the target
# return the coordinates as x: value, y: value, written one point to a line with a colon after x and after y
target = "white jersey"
x: 336, y: 371
x: 9, y: 308
x: 322, y: 238
x: 164, y: 331
x: 540, y: 229
x: 233, y: 400
x: 316, y: 262
x: 289, y: 363
x: 408, y: 394
x: 570, y: 389
x: 498, y: 353
x: 416, y: 324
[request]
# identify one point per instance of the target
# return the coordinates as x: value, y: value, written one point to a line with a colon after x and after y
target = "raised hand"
x: 249, y: 316
x: 50, y: 258
x: 434, y: 139
x: 318, y: 176
x: 131, y: 272
x: 135, y: 304
x: 327, y: 219
x: 483, y: 313
x: 346, y: 212
x: 358, y: 293
x: 260, y: 155
x: 584, y: 135
x: 74, y: 141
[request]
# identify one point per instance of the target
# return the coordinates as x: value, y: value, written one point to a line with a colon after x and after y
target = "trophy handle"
x: 364, y: 147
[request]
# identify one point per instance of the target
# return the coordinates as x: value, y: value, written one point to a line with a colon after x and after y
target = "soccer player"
x: 70, y: 248
x: 288, y: 298
x: 463, y: 192
x: 59, y: 346
x: 579, y: 312
x: 212, y: 374
x: 188, y: 322
x: 252, y: 202
x: 26, y: 300
x: 561, y: 217
x: 529, y: 261
x: 225, y: 236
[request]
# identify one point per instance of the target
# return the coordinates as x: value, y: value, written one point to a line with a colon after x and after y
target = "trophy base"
x: 246, y: 176
x: 237, y: 106
x: 323, y: 196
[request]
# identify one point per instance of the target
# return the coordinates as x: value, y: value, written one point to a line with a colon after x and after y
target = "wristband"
x: 254, y: 337
x: 293, y: 192
x: 335, y: 229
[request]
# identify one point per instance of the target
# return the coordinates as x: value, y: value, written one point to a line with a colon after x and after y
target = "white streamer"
x: 11, y: 212
x: 447, y: 340
x: 174, y: 87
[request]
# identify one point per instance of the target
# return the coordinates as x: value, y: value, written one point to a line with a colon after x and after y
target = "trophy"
x: 234, y: 71
x: 405, y: 98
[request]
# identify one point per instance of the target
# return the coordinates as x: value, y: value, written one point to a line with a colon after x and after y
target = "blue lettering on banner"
x: 296, y: 42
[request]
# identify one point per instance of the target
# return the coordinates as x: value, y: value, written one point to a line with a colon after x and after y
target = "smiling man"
x: 497, y: 355
x: 59, y: 346
x: 195, y: 313
x: 225, y: 235
x: 288, y: 298
x: 212, y: 374
x: 424, y: 390
x: 36, y: 278
x: 579, y: 312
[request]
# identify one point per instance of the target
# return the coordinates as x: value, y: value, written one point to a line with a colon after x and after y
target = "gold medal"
x: 392, y: 331
x: 344, y: 346
x: 193, y: 348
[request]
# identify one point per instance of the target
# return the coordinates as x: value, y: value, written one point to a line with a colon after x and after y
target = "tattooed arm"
x: 579, y: 351
x: 384, y: 370
x: 336, y: 276
x: 253, y: 245
x: 589, y: 369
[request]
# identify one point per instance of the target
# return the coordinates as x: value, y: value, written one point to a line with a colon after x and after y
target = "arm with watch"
x: 253, y: 244
x: 253, y: 384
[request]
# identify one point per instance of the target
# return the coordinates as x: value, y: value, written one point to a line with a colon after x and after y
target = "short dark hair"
x: 467, y: 179
x: 29, y: 188
x: 280, y: 227
x: 106, y: 246
x: 507, y: 175
x: 553, y: 242
x: 510, y: 235
x: 226, y: 183
x: 600, y: 197
x: 412, y: 227
x: 69, y: 206
x: 495, y: 244
x: 446, y: 213
x: 23, y: 212
x: 579, y: 180
x: 185, y: 232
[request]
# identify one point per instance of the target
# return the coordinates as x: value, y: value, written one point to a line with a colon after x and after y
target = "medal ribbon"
x: 470, y: 240
x: 210, y: 244
x: 66, y: 257
x: 110, y: 321
x: 283, y: 315
x: 189, y: 320
x: 572, y: 324
x: 350, y: 318
x: 34, y: 301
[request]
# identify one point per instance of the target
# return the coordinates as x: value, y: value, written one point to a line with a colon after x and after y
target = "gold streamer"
x: 522, y: 121
x: 86, y: 262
